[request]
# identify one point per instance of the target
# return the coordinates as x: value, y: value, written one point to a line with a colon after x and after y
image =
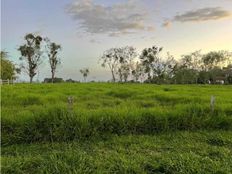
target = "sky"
x: 86, y: 28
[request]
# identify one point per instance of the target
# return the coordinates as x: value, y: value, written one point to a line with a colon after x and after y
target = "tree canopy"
x: 8, y: 68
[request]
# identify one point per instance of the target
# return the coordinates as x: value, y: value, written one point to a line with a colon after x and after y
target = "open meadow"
x: 116, y: 128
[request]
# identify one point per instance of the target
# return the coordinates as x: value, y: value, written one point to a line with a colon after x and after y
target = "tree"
x: 54, y: 60
x: 191, y: 65
x: 163, y: 69
x: 31, y: 54
x: 137, y: 71
x: 215, y: 59
x: 124, y: 72
x: 111, y: 58
x: 8, y: 69
x: 127, y: 56
x: 214, y: 62
x: 85, y: 73
x: 228, y: 73
x: 148, y: 58
x: 118, y: 60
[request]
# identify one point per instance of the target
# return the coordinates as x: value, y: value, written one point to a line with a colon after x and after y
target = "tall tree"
x: 163, y: 68
x: 31, y: 54
x: 216, y: 59
x: 54, y: 60
x: 138, y: 71
x: 124, y: 72
x: 85, y: 73
x: 128, y: 54
x: 191, y: 64
x: 116, y: 59
x: 148, y: 58
x: 110, y: 59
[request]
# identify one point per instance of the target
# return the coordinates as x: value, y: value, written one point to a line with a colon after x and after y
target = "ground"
x: 116, y: 128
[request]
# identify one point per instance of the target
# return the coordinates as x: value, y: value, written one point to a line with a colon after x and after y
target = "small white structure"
x: 2, y: 82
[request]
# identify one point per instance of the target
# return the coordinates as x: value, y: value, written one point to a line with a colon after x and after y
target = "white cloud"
x: 120, y: 18
x: 203, y: 14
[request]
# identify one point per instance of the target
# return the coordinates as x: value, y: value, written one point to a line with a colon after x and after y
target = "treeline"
x: 126, y: 65
x: 151, y: 66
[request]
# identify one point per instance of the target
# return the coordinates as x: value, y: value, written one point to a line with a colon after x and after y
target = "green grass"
x: 172, y: 153
x: 126, y: 128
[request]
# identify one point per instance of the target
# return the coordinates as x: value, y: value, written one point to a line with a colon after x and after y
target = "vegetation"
x: 153, y: 67
x: 109, y: 108
x: 31, y: 54
x: 116, y: 128
x: 175, y: 153
x: 53, y: 50
x: 8, y: 69
x: 85, y: 73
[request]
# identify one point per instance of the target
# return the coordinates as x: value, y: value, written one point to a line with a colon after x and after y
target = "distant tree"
x: 128, y: 54
x: 191, y: 65
x: 85, y: 73
x: 137, y: 71
x: 183, y: 75
x: 52, y: 51
x: 228, y: 73
x: 163, y: 69
x: 118, y: 60
x: 110, y: 59
x: 215, y: 59
x: 124, y: 72
x: 31, y: 54
x: 214, y: 63
x: 8, y: 69
x: 148, y: 58
x: 55, y: 80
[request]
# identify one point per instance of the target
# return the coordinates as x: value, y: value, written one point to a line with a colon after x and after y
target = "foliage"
x: 52, y: 51
x: 55, y: 80
x: 85, y: 73
x: 137, y: 72
x: 150, y: 58
x: 8, y: 69
x: 31, y: 54
x: 119, y: 61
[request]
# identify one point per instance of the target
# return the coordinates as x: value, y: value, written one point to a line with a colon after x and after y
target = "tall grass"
x: 33, y: 113
x: 179, y: 152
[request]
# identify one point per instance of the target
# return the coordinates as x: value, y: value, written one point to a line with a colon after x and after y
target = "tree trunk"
x: 149, y: 77
x: 31, y: 78
x: 112, y: 72
x: 53, y: 75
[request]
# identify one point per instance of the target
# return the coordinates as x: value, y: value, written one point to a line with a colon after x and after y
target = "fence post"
x: 70, y: 103
x: 212, y: 102
x: 8, y: 81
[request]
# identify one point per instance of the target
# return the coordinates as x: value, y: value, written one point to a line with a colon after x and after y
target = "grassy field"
x: 116, y: 128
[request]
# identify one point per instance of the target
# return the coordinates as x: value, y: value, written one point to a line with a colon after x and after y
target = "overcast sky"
x: 85, y: 28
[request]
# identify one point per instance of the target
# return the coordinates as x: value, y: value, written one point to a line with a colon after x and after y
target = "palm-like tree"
x: 85, y: 73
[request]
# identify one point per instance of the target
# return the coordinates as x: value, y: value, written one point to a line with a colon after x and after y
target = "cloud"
x: 167, y: 24
x: 203, y: 14
x: 120, y: 18
x: 150, y: 28
x: 94, y: 41
x: 120, y: 33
